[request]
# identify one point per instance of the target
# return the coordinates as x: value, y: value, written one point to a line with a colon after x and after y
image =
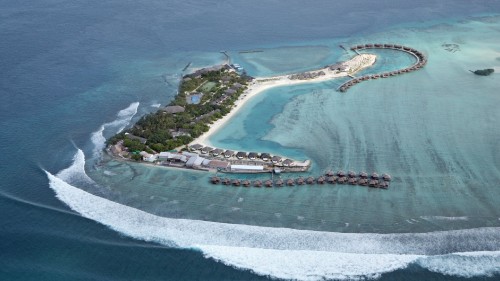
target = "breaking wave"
x: 289, y: 253
x: 123, y: 119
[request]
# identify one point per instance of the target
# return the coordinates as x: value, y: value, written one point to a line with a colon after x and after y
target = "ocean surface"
x: 74, y: 73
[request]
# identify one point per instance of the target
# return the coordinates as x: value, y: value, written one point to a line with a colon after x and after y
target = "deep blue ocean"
x: 73, y: 72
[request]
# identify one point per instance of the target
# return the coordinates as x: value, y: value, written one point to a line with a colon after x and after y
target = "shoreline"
x: 261, y: 84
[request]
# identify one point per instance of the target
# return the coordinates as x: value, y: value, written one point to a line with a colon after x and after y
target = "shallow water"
x: 76, y: 73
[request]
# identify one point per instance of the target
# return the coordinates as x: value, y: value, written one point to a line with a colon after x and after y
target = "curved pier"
x: 421, y: 61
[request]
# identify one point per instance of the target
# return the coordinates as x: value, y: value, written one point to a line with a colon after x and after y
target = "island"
x: 483, y: 72
x: 177, y: 134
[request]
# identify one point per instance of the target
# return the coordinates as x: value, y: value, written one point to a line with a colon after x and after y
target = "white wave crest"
x: 123, y: 119
x: 443, y: 218
x: 76, y: 172
x: 290, y: 253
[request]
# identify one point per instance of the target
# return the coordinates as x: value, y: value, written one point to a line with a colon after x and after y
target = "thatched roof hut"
x: 217, y: 152
x: 257, y: 183
x: 279, y: 182
x: 215, y: 179
x: 341, y: 173
x: 265, y: 156
x: 196, y: 146
x: 342, y: 180
x: 246, y: 183
x: 373, y: 183
x: 241, y: 155
x: 276, y: 159
x: 363, y: 182
x: 206, y: 149
x: 268, y: 183
x: 300, y: 181
x: 287, y: 162
x: 236, y: 182
x: 253, y: 155
x: 310, y: 180
x: 386, y: 177
x: 375, y: 176
x: 331, y: 179
x: 228, y: 153
x: 351, y: 174
x: 321, y: 180
x: 352, y: 181
x: 290, y: 182
x: 226, y: 181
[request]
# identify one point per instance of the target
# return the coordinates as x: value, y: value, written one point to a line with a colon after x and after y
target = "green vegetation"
x: 165, y: 130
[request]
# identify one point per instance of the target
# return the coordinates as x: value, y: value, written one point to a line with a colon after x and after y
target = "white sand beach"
x: 261, y: 84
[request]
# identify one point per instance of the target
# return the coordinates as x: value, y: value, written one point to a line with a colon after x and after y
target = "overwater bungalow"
x: 351, y: 174
x: 257, y: 183
x: 330, y: 173
x: 240, y: 155
x: 331, y: 179
x: 374, y: 176
x: 300, y: 181
x: 265, y: 156
x: 215, y: 180
x: 217, y: 152
x: 342, y: 180
x: 352, y: 181
x: 290, y: 182
x: 268, y: 183
x: 368, y: 45
x: 226, y: 181
x: 388, y: 45
x: 378, y: 45
x: 341, y: 173
x: 236, y: 182
x: 363, y: 175
x: 386, y: 177
x: 206, y: 150
x: 373, y: 183
x: 321, y: 180
x: 363, y: 182
x: 253, y: 155
x: 310, y: 180
x: 246, y: 183
x: 228, y: 153
x: 383, y: 185
x: 397, y: 46
x: 276, y: 159
x: 279, y: 182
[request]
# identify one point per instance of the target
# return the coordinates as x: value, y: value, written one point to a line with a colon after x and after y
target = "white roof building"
x: 246, y: 168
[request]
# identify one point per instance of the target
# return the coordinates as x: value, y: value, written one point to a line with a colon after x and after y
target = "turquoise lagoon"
x: 433, y: 130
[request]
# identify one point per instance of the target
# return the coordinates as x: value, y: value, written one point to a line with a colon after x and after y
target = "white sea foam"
x: 443, y: 218
x: 290, y: 253
x: 123, y: 119
x: 156, y: 105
